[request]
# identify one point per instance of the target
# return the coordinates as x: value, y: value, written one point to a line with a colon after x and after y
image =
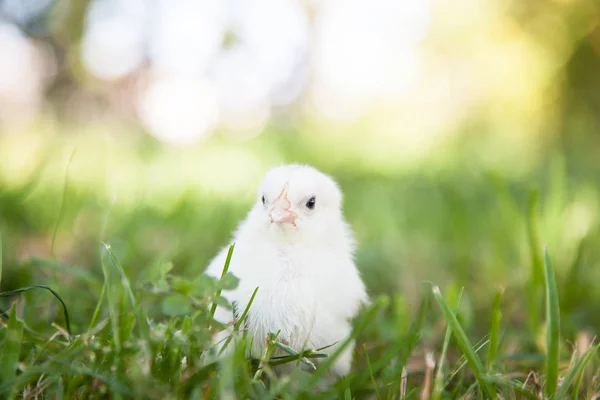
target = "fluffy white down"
x: 309, y: 287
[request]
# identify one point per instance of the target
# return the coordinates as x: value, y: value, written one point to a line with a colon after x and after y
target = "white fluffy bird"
x: 295, y: 246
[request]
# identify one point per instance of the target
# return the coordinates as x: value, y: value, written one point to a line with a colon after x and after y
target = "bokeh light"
x: 21, y: 75
x: 114, y: 39
x: 178, y: 109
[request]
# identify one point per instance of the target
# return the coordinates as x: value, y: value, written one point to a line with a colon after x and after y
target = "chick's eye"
x: 263, y: 199
x: 310, y: 204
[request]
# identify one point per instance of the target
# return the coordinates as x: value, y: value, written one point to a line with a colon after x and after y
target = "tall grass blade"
x: 438, y: 386
x: 213, y: 309
x: 464, y: 343
x: 371, y: 373
x: 240, y: 321
x: 112, y: 297
x: 140, y: 316
x: 552, y: 327
x: 537, y: 267
x: 536, y: 278
x: 9, y: 356
x: 494, y: 332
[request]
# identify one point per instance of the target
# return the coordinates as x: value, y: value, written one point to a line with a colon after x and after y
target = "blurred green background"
x: 148, y: 126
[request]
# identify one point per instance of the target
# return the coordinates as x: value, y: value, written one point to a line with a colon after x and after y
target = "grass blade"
x: 536, y: 278
x: 213, y: 309
x: 494, y: 332
x: 9, y: 357
x: 266, y: 356
x: 464, y: 343
x: 462, y: 361
x: 140, y: 316
x: 240, y: 321
x: 552, y: 327
x: 347, y: 394
x: 112, y: 297
x: 371, y: 372
x: 98, y: 308
x: 575, y: 373
x: 537, y: 268
x: 585, y: 359
x: 438, y: 385
x: 295, y: 356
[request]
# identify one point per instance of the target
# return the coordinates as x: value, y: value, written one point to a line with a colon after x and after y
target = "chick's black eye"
x: 263, y: 199
x: 310, y: 204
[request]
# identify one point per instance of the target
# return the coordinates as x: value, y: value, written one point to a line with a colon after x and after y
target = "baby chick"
x: 295, y: 246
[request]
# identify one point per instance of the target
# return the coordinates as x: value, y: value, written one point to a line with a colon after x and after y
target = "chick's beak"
x: 280, y: 210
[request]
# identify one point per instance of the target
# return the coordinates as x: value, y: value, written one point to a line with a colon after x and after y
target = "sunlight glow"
x: 243, y: 99
x: 180, y: 109
x: 186, y: 35
x: 366, y: 50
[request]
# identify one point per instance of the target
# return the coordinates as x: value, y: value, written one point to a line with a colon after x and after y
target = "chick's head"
x: 298, y: 200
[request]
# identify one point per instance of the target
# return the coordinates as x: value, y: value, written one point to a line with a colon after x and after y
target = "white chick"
x: 295, y: 246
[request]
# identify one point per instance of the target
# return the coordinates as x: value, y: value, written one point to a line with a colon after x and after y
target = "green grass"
x: 553, y: 328
x: 125, y: 311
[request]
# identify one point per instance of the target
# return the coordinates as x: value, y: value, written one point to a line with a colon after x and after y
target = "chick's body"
x: 301, y: 259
